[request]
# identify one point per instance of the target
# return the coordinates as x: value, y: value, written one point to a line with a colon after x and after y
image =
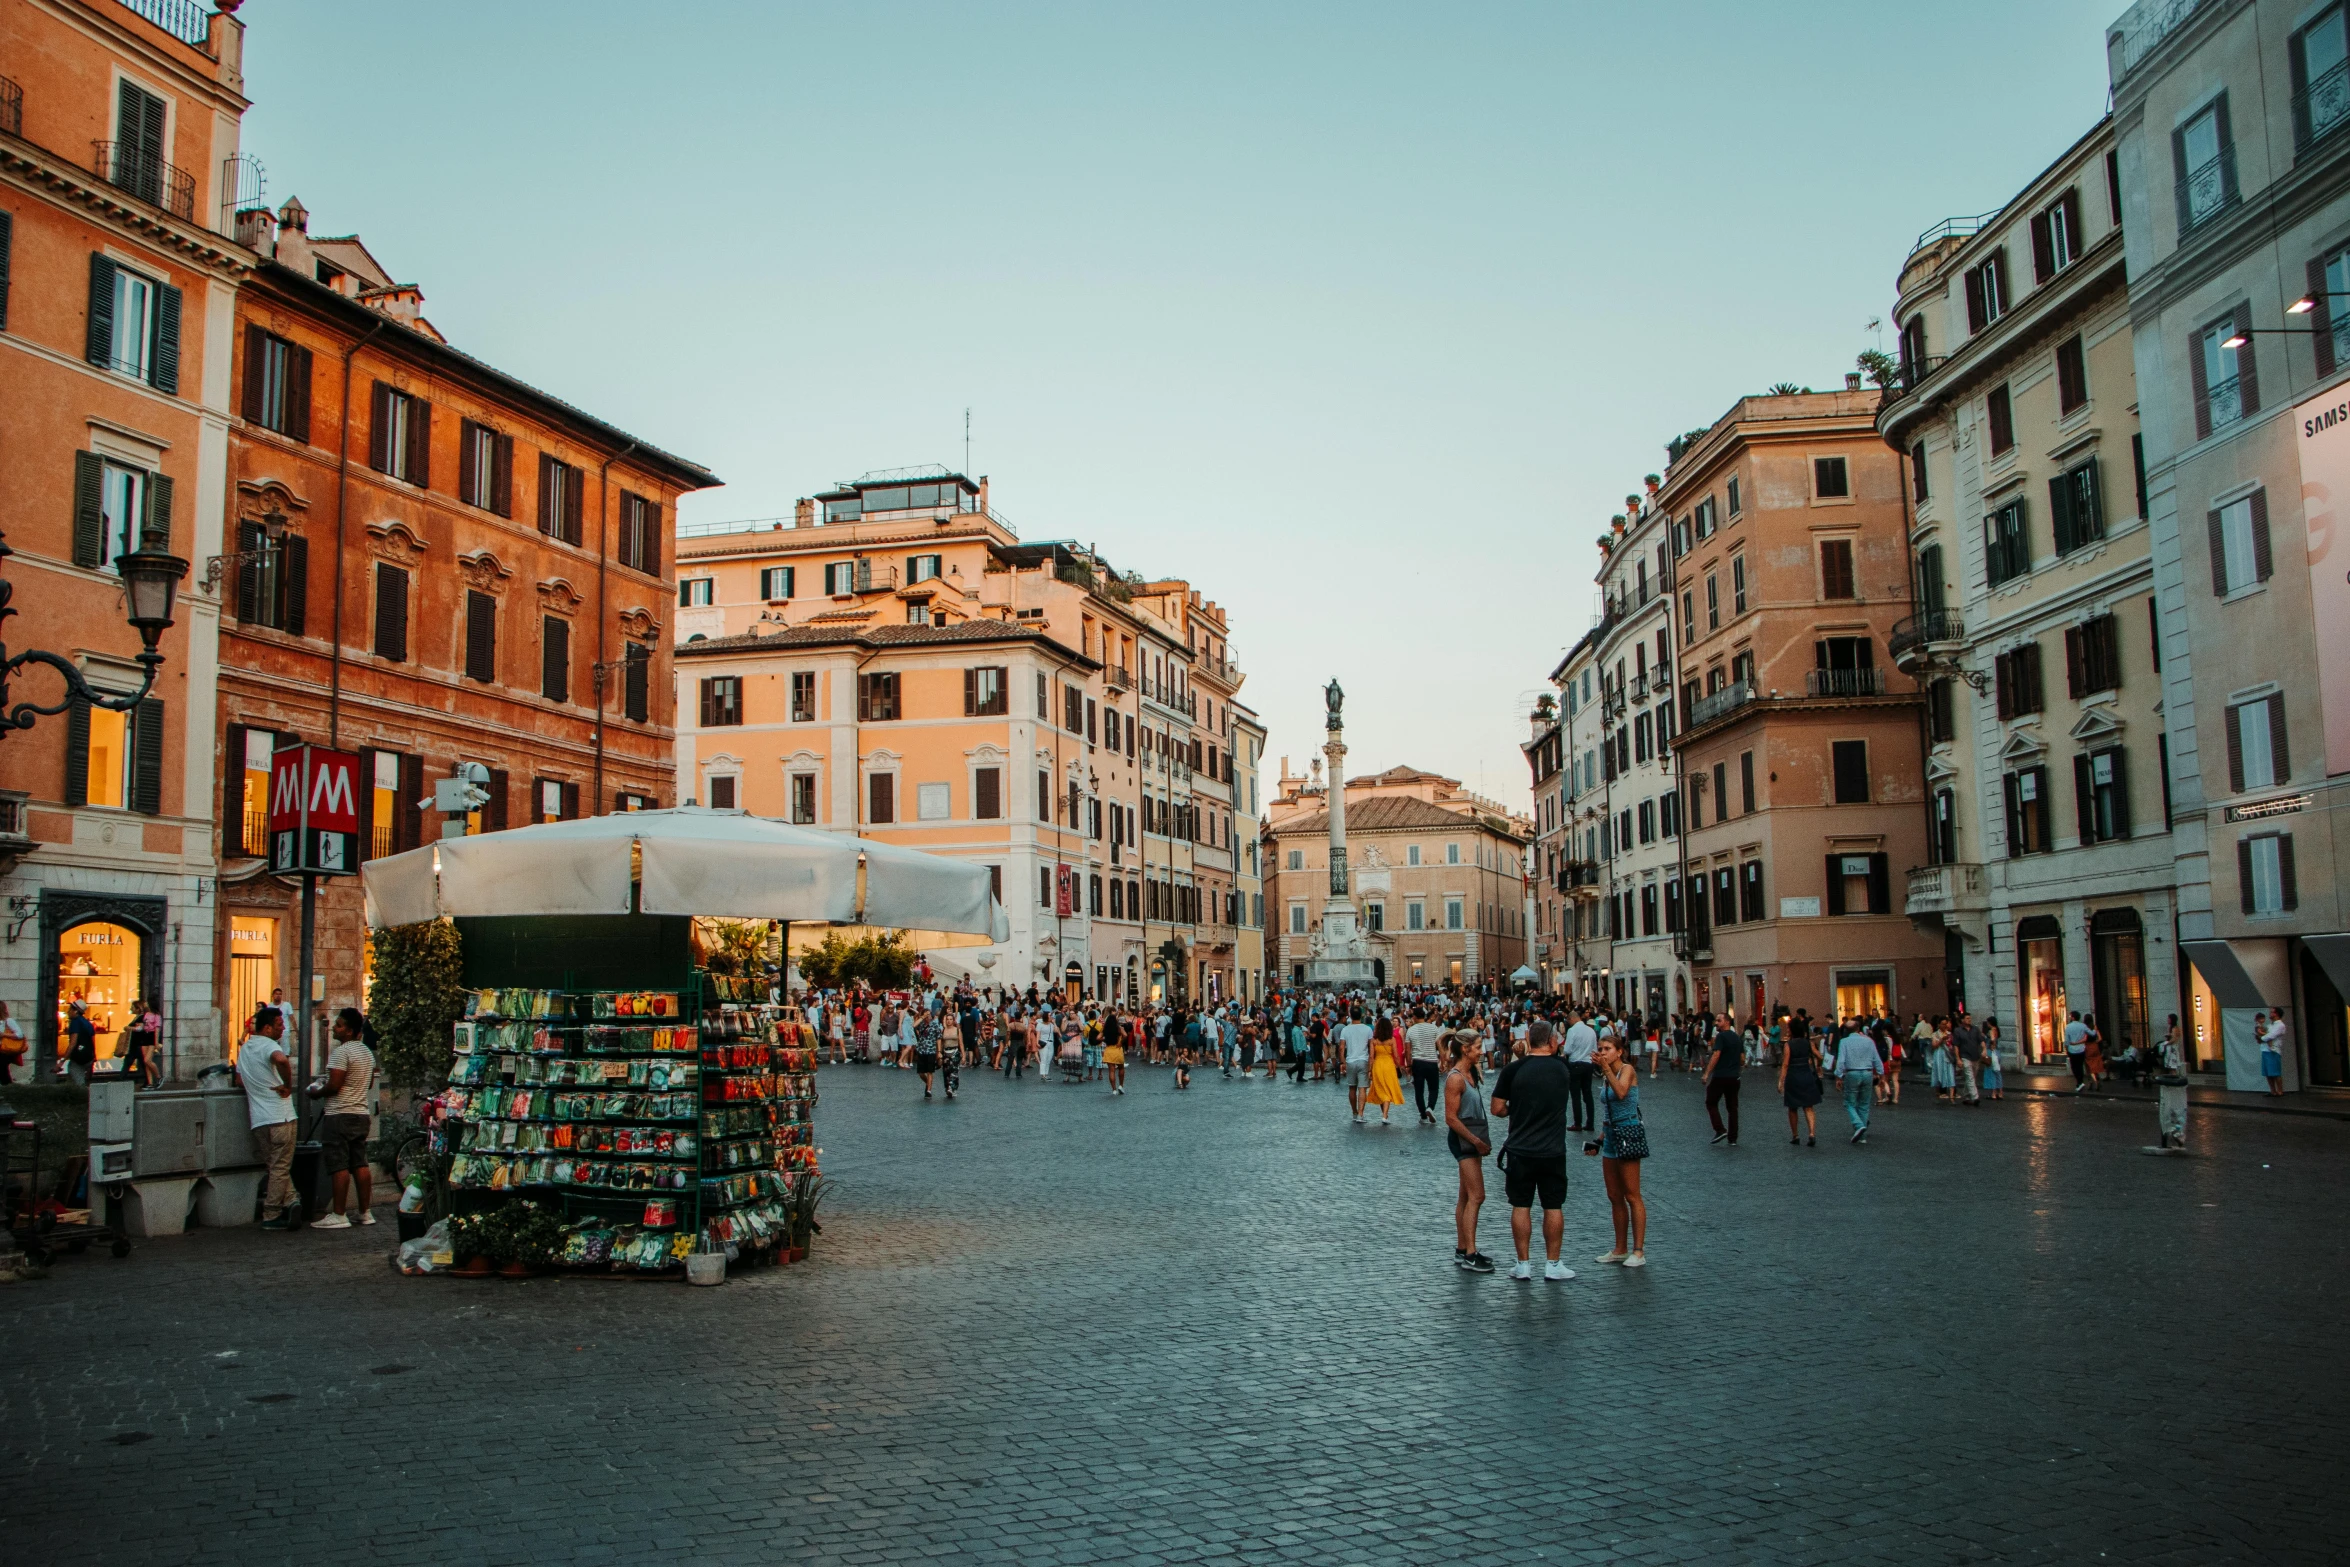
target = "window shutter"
x: 232, y: 789
x: 2235, y: 751
x: 77, y: 751
x: 249, y: 572
x: 988, y: 789
x: 2073, y: 660
x: 98, y: 339
x: 2090, y: 521
x: 2121, y: 793
x: 2321, y: 329
x: 2247, y: 366
x: 1835, y: 888
x: 2202, y: 381
x: 707, y: 720
x: 391, y: 612
x: 2179, y: 172
x: 146, y: 732
x: 574, y: 492
x: 2085, y: 798
x: 502, y: 479
x: 89, y: 520
x: 7, y: 227
x: 256, y: 358
x: 410, y: 815
x: 2291, y: 894
x: 970, y: 692
x: 2070, y: 201
x: 298, y: 394
x: 2043, y: 250
x: 296, y: 585
x: 571, y: 802
x: 158, y: 520
x: 2219, y: 555
x: 493, y: 815
x: 547, y: 517
x: 2003, y: 684
x: 379, y: 429
x: 164, y: 375
x: 419, y: 443
x: 1880, y: 884
x: 2043, y: 809
x: 2060, y: 512
x: 2244, y: 874
x: 555, y: 659
x: 473, y: 479
x: 1974, y: 300
x: 884, y: 792
x: 637, y: 666
x: 2015, y: 815
x: 2261, y: 564
x: 481, y: 636
x: 2280, y: 754
x: 648, y: 524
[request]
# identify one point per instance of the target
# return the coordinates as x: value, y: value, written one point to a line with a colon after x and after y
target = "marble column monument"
x: 1338, y: 956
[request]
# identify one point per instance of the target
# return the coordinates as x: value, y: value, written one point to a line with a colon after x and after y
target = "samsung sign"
x: 2325, y: 491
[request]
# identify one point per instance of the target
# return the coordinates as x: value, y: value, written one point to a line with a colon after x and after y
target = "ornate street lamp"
x: 150, y: 580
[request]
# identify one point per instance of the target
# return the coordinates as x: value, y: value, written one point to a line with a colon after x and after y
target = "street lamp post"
x: 150, y: 579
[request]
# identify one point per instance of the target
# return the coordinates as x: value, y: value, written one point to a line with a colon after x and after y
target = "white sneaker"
x: 367, y: 1217
x: 1523, y: 1272
x: 1638, y: 1259
x: 1557, y: 1272
x: 330, y: 1221
x: 1609, y: 1256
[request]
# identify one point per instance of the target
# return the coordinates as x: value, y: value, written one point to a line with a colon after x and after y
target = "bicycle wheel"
x: 411, y: 1157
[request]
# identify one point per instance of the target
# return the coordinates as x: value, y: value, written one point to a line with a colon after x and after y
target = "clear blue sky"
x: 1361, y: 317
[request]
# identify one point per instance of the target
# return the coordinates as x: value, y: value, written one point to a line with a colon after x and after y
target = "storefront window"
x: 1863, y: 992
x: 2041, y: 963
x: 252, y: 970
x: 98, y: 966
x: 2117, y: 959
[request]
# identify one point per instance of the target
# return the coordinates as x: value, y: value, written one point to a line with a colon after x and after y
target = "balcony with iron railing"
x: 11, y: 107
x: 1946, y: 889
x: 1720, y: 704
x: 2321, y: 108
x: 185, y: 20
x: 145, y: 176
x: 1844, y: 682
x: 1920, y: 633
x: 1117, y: 679
x: 2223, y: 402
x: 1580, y: 877
x: 2207, y: 190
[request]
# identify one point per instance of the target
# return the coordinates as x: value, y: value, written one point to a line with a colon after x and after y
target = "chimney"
x: 257, y: 230
x: 1852, y: 380
x: 294, y: 215
x: 983, y: 492
x: 803, y: 513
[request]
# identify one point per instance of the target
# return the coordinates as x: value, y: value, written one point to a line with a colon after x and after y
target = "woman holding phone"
x: 1621, y: 1145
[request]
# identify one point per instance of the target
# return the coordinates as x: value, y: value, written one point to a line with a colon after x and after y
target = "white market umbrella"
x: 1524, y: 975
x: 721, y: 864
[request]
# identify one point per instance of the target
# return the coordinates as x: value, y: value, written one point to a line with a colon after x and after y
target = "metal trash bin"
x: 308, y: 1173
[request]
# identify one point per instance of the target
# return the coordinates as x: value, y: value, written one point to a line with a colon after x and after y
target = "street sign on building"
x: 314, y: 811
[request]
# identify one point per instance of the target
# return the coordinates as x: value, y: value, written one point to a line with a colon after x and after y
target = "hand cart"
x: 43, y: 1230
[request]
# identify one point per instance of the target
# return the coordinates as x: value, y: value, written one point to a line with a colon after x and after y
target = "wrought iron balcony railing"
x: 2207, y: 190
x: 1844, y: 682
x: 1728, y: 700
x: 1922, y: 630
x: 2321, y: 107
x: 11, y: 107
x: 149, y: 178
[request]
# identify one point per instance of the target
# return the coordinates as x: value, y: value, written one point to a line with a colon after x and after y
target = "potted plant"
x: 470, y: 1238
x: 800, y: 1203
x: 534, y: 1238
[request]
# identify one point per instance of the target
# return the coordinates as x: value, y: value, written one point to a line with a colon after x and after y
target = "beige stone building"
x: 1438, y: 875
x: 2048, y: 854
x: 895, y: 661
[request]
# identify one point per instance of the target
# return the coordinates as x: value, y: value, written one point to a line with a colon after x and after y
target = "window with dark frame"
x: 399, y: 439
x: 481, y: 637
x: 555, y: 658
x: 722, y: 701
x: 2092, y: 656
x: 877, y: 697
x: 2007, y: 544
x: 2017, y: 681
x: 1999, y: 419
x: 1831, y: 479
x: 2072, y: 375
x: 1836, y: 576
x: 2076, y: 507
x: 803, y: 799
x: 803, y: 696
x: 485, y: 468
x: 636, y: 682
x: 2030, y: 819
x: 562, y: 493
x: 277, y: 382
x: 2101, y: 786
x: 1850, y: 764
x: 391, y: 612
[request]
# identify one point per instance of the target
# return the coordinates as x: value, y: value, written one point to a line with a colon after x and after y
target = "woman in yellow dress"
x: 1386, y: 1086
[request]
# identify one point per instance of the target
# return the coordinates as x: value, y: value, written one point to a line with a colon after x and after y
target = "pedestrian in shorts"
x: 1531, y: 1094
x: 343, y: 1134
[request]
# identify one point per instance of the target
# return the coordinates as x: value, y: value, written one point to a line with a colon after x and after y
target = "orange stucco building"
x: 895, y: 661
x: 432, y: 564
x: 1800, y: 750
x: 118, y: 168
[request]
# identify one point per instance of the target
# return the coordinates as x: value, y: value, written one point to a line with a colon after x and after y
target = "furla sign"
x: 314, y: 811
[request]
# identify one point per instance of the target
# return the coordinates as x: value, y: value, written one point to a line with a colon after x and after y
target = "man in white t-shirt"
x: 1355, y: 1042
x: 2076, y: 1051
x: 267, y: 1077
x: 1427, y: 1070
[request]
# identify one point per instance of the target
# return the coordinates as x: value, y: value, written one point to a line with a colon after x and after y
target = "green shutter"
x: 294, y: 584
x: 77, y: 752
x: 98, y: 342
x: 156, y: 534
x: 146, y: 726
x: 164, y: 373
x: 89, y: 521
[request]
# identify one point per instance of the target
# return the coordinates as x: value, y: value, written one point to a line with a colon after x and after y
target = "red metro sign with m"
x: 314, y: 811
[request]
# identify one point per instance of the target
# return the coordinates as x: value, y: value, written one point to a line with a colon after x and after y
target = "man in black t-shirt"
x: 1531, y: 1094
x: 1721, y: 1081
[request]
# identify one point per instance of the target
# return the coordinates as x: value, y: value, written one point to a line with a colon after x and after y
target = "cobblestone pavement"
x: 1044, y: 1325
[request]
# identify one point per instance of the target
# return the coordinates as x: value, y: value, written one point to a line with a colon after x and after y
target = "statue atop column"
x: 1334, y: 698
x: 1342, y: 958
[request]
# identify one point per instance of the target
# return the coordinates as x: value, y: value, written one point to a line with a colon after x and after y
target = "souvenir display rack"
x: 660, y: 1121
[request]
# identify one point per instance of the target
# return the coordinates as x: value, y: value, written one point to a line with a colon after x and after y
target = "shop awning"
x: 685, y: 861
x: 2217, y: 963
x: 2333, y: 955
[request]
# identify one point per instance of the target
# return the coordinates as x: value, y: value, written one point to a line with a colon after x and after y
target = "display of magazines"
x: 660, y: 1126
